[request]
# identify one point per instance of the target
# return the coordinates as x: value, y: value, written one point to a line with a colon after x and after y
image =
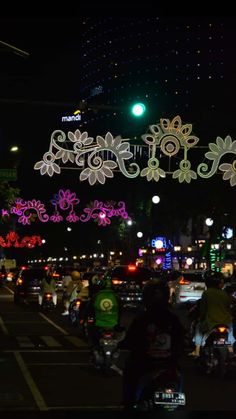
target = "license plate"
x: 221, y: 342
x: 169, y: 398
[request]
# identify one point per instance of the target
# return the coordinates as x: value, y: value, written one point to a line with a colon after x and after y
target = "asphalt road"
x: 45, y: 366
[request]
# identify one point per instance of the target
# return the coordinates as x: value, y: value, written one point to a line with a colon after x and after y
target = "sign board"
x: 8, y: 174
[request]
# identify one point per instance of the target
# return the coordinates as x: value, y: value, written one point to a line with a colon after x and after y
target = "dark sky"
x: 36, y: 90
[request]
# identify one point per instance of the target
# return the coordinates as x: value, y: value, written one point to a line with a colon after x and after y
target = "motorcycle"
x: 214, y: 355
x: 162, y: 389
x: 47, y: 303
x: 107, y: 353
x: 74, y: 312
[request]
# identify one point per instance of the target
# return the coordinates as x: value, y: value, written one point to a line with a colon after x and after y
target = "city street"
x: 46, y: 366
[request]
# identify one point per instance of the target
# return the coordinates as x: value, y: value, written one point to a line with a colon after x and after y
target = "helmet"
x: 106, y: 281
x: 213, y: 279
x: 75, y: 275
x: 156, y: 293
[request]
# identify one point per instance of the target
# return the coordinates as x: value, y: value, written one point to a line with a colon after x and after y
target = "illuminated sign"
x: 75, y: 117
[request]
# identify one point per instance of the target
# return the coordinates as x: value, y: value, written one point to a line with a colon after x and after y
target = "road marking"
x: 24, y: 342
x: 117, y: 369
x: 107, y: 407
x: 3, y: 327
x: 8, y: 289
x: 50, y: 341
x: 54, y: 324
x: 39, y: 400
x: 60, y: 363
x: 76, y: 341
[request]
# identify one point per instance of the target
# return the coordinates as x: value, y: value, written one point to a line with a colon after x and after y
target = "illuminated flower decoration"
x: 47, y: 165
x: 100, y: 174
x: 103, y: 220
x: 184, y: 173
x: 65, y: 199
x: 72, y: 217
x: 81, y: 139
x: 171, y: 135
x: 56, y: 218
x: 230, y: 172
x: 153, y: 171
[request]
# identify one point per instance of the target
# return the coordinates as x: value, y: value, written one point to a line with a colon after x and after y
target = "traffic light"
x: 138, y: 109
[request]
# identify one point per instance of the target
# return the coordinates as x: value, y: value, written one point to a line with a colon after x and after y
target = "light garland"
x: 166, y: 139
x: 65, y: 201
x: 13, y: 240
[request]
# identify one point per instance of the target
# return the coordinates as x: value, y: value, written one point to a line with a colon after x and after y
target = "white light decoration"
x: 189, y: 261
x: 69, y: 228
x: 158, y: 244
x: 228, y: 233
x: 43, y: 241
x: 139, y: 234
x: 155, y: 199
x: 129, y: 222
x: 166, y: 139
x: 209, y: 222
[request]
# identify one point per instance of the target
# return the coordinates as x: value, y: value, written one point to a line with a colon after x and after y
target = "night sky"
x: 38, y: 89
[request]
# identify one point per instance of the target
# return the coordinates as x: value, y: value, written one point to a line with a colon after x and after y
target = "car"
x: 128, y: 281
x: 187, y: 286
x: 27, y: 285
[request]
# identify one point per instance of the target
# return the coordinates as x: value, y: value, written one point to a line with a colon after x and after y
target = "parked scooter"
x: 162, y: 389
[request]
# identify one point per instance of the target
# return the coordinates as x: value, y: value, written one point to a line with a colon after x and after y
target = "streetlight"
x: 155, y: 199
x: 14, y: 149
x: 139, y: 234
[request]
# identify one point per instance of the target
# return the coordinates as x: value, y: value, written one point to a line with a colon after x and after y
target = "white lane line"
x: 76, y: 341
x: 3, y: 327
x: 39, y: 400
x: 24, y: 342
x: 50, y: 341
x: 8, y: 289
x: 60, y: 363
x: 54, y: 324
x: 106, y: 407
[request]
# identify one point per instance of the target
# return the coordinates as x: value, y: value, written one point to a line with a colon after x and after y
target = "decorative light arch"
x: 65, y: 201
x: 97, y: 160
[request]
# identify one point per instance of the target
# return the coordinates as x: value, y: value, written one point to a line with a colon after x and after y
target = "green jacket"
x: 106, y: 309
x: 214, y: 308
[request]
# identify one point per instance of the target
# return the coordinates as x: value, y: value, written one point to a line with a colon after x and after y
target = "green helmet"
x: 107, y: 281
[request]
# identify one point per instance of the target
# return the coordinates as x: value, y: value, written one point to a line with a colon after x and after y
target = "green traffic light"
x: 138, y: 109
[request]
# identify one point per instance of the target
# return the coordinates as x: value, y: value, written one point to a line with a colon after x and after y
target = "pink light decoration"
x: 13, y: 240
x: 66, y: 200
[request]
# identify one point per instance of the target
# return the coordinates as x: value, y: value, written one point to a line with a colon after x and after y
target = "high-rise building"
x: 175, y: 65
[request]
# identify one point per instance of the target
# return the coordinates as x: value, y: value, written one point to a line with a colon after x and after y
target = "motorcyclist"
x: 48, y: 285
x: 214, y: 308
x: 155, y: 339
x: 73, y: 287
x: 105, y: 308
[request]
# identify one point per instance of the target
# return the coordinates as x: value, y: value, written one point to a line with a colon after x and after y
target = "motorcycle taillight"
x: 222, y: 329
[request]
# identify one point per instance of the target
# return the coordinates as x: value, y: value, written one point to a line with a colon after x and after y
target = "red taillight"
x: 107, y: 335
x: 132, y: 268
x: 55, y: 275
x: 183, y: 281
x: 90, y: 320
